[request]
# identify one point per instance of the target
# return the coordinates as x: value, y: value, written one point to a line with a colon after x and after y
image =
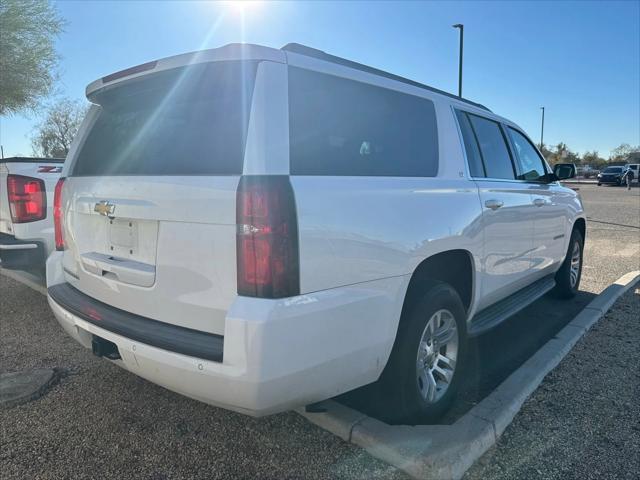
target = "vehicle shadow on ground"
x: 492, y: 357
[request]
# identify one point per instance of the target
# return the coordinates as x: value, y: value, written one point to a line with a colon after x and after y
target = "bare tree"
x: 28, y: 30
x: 53, y: 136
x: 623, y: 152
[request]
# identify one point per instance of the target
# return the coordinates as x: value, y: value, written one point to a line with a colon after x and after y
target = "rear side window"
x: 493, y: 147
x: 474, y: 159
x: 185, y: 121
x: 343, y: 127
x: 531, y: 164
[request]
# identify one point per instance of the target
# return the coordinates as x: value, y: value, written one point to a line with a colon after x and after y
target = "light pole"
x: 460, y: 27
x: 542, y: 129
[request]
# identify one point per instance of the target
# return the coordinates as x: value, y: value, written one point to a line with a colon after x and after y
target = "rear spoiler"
x: 32, y: 160
x: 232, y: 51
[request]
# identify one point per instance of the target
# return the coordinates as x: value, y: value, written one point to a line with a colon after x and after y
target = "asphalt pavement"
x: 101, y: 421
x: 613, y: 234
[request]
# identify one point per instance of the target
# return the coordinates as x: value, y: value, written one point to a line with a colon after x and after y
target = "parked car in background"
x: 636, y: 170
x: 26, y: 210
x: 586, y: 171
x: 262, y: 229
x: 611, y: 176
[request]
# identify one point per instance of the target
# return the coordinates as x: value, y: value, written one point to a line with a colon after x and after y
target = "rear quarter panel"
x: 360, y: 229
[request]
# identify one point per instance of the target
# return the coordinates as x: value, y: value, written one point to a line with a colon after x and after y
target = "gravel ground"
x: 583, y: 422
x: 103, y: 422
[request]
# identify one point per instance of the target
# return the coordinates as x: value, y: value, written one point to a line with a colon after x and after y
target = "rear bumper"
x: 278, y: 354
x: 135, y: 327
x: 16, y: 254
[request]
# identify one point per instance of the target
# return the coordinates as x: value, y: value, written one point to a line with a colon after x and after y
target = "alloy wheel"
x: 437, y: 356
x: 575, y: 265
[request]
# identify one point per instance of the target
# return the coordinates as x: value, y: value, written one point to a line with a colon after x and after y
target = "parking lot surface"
x: 613, y: 234
x: 583, y: 422
x: 103, y: 422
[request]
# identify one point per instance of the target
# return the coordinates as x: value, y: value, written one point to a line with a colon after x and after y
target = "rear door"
x: 150, y: 197
x: 507, y: 208
x: 551, y: 213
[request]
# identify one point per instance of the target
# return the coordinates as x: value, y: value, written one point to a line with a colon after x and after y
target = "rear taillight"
x: 57, y: 215
x: 27, y: 198
x: 267, y: 237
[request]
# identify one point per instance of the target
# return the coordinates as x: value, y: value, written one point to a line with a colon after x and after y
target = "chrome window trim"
x: 504, y: 125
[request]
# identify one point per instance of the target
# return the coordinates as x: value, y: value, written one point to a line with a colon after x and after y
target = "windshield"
x: 184, y: 121
x: 612, y: 170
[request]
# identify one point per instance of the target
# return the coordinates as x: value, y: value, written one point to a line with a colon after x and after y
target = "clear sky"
x: 579, y: 59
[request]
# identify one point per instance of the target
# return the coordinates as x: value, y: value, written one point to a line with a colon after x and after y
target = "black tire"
x: 599, y: 184
x: 565, y: 286
x: 399, y: 389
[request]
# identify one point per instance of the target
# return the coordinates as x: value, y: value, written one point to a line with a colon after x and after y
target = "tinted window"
x: 184, y: 121
x: 531, y: 164
x: 343, y: 127
x: 495, y: 155
x: 612, y: 170
x: 471, y: 146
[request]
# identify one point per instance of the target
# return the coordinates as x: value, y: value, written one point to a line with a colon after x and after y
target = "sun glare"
x: 242, y: 6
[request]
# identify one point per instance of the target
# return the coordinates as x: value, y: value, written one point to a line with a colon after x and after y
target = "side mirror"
x: 562, y: 171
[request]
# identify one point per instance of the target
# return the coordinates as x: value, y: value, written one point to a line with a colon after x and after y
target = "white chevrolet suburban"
x: 261, y: 229
x: 26, y: 206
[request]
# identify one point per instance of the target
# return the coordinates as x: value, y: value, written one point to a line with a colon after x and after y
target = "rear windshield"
x: 185, y: 121
x: 612, y: 170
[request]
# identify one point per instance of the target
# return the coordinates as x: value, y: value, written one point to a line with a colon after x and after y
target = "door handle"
x: 493, y: 204
x: 539, y: 202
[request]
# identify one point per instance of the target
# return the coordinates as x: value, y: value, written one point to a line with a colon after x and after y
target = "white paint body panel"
x: 278, y: 354
x: 41, y: 230
x: 185, y: 231
x: 360, y: 240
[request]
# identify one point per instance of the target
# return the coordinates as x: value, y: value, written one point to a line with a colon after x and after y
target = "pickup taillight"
x: 27, y: 198
x: 58, y: 227
x: 267, y: 237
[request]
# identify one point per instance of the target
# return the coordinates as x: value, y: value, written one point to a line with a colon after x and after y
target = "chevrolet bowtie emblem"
x: 105, y: 208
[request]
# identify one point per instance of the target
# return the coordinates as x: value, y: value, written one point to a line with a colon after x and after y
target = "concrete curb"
x: 448, y: 451
x: 25, y: 278
x: 584, y: 181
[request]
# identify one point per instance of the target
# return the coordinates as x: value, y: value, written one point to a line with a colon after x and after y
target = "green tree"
x: 592, y: 158
x: 28, y: 30
x: 546, y: 153
x: 53, y: 136
x: 560, y: 153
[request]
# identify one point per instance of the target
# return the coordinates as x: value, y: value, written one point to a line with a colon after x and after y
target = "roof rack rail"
x: 32, y: 160
x: 319, y: 54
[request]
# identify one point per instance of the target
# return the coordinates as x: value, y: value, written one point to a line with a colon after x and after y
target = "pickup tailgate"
x: 47, y: 170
